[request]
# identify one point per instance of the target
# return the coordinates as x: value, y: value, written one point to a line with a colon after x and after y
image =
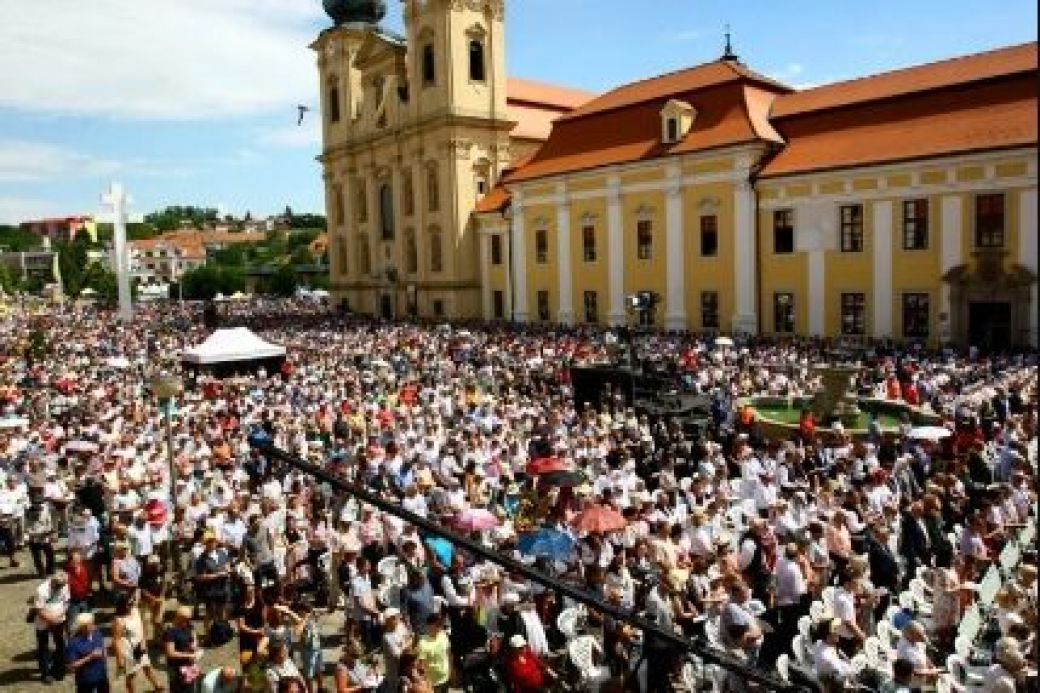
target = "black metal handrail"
x: 691, y: 647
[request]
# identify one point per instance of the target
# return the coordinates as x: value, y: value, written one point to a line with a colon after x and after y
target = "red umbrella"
x: 544, y: 465
x: 599, y: 518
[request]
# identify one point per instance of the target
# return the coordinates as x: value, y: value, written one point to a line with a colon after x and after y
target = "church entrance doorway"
x: 989, y: 325
x: 386, y: 306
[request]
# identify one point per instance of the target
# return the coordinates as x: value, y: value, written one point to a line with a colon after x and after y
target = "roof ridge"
x: 903, y: 70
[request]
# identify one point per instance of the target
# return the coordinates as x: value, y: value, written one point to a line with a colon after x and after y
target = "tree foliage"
x: 173, y: 217
x: 283, y: 282
x: 18, y: 240
x: 204, y: 283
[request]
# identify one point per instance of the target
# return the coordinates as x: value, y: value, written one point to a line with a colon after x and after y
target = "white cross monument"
x: 118, y: 200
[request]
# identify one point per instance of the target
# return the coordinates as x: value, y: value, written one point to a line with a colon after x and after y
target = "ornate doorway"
x: 990, y: 304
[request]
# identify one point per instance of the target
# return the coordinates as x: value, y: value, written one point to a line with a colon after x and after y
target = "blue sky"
x: 194, y: 102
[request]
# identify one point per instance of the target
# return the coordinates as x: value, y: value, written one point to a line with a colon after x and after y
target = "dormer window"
x: 676, y: 120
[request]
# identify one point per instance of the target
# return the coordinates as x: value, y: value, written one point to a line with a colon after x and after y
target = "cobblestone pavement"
x: 18, y: 671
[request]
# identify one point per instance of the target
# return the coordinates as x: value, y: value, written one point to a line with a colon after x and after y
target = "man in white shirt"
x: 791, y: 589
x: 830, y: 664
x: 912, y: 648
x: 51, y: 604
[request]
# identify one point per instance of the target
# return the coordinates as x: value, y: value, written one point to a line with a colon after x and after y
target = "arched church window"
x: 386, y: 211
x: 477, y: 71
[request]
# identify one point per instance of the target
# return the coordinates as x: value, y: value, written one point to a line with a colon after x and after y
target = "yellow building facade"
x: 899, y: 206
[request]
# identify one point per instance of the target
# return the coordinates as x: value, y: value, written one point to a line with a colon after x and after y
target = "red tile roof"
x: 938, y: 75
x: 984, y: 116
x: 624, y: 125
x: 534, y: 106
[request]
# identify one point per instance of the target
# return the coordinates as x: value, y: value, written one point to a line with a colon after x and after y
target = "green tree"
x: 283, y: 282
x: 135, y: 231
x: 18, y: 239
x: 74, y: 264
x: 204, y: 283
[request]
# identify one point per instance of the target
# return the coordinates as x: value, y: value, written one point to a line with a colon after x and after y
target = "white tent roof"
x: 237, y: 344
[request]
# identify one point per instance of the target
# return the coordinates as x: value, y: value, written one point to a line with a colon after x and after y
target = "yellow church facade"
x: 898, y: 206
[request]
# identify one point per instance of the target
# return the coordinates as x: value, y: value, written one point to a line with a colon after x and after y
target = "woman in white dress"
x: 130, y: 646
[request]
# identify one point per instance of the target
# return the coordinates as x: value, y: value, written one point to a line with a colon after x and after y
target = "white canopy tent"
x: 232, y: 346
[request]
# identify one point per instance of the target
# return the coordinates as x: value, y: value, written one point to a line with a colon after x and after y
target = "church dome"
x: 356, y: 11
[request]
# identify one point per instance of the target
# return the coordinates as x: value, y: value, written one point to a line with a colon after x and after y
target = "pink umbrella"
x: 477, y: 520
x: 599, y: 518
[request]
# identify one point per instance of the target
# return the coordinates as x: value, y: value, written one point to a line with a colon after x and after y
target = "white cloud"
x: 25, y: 161
x: 159, y: 59
x: 36, y: 162
x: 15, y: 210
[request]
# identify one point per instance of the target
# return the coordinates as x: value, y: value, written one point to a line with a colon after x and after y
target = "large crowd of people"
x: 825, y: 557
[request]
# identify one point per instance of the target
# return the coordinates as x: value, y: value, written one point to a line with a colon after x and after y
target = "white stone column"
x: 1027, y: 249
x: 565, y: 279
x: 615, y: 254
x: 485, y: 274
x: 518, y: 260
x: 950, y: 256
x: 882, y: 298
x: 675, y: 253
x: 745, y: 319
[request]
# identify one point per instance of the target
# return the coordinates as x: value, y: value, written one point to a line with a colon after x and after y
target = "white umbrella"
x: 723, y: 342
x: 13, y: 422
x: 932, y: 433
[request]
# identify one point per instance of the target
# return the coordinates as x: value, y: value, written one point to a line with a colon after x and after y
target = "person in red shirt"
x: 525, y: 671
x: 81, y: 591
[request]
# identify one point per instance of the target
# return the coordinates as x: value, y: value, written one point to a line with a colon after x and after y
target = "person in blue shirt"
x: 86, y: 654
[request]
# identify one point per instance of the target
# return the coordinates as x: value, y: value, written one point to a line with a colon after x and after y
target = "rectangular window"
x: 339, y: 207
x: 854, y: 314
x: 496, y: 250
x: 588, y: 243
x: 851, y: 219
x: 673, y: 130
x: 541, y: 246
x: 364, y: 260
x: 710, y: 310
x: 408, y: 194
x: 989, y: 220
x: 438, y: 308
x: 645, y: 240
x: 591, y: 307
x: 916, y: 309
x: 783, y: 313
x: 783, y: 231
x: 498, y: 300
x: 709, y: 235
x: 543, y: 306
x: 361, y: 201
x: 915, y: 224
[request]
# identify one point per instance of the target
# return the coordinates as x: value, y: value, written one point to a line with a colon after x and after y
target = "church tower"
x: 415, y: 131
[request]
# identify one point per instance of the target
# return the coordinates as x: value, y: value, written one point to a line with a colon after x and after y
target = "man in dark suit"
x: 884, y: 568
x: 913, y: 540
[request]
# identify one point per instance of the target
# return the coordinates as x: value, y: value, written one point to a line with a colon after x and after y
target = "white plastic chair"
x: 567, y: 623
x: 783, y: 669
x: 828, y: 598
x: 582, y: 653
x: 393, y: 571
x: 804, y: 626
x: 800, y: 650
x: 816, y: 611
x: 962, y: 676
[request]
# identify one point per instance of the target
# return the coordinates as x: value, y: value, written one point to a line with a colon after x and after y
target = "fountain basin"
x: 778, y: 417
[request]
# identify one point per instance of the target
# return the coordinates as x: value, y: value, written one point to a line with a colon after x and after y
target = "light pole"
x: 167, y: 388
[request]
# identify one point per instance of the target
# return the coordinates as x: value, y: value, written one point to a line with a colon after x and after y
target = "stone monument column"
x: 118, y: 200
